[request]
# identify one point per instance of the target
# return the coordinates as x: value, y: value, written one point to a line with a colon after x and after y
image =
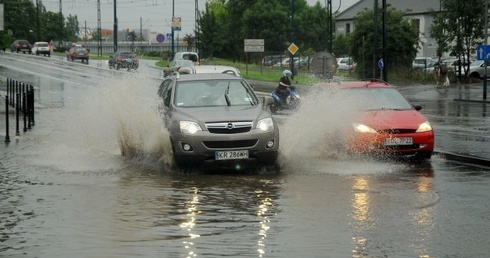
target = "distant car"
x: 123, y: 59
x: 420, y: 63
x: 207, y: 69
x: 217, y: 121
x: 41, y: 48
x: 346, y: 64
x: 193, y: 56
x: 477, y: 69
x: 176, y: 65
x: 272, y: 60
x: 78, y: 53
x: 20, y: 45
x: 385, y: 123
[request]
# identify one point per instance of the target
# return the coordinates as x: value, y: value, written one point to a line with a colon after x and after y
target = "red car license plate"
x: 398, y: 141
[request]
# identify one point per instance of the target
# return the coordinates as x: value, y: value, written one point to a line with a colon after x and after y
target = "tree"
x: 459, y: 28
x: 402, y: 41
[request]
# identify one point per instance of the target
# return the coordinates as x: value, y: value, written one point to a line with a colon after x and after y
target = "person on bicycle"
x: 282, y: 89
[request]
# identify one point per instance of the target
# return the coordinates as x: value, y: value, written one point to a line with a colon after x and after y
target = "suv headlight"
x: 265, y: 124
x: 189, y: 127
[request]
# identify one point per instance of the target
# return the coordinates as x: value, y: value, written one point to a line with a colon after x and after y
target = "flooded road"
x: 67, y: 191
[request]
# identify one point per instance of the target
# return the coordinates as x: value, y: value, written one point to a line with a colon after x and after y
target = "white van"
x: 193, y: 56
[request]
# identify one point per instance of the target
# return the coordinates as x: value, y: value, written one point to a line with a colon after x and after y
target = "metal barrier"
x: 20, y: 96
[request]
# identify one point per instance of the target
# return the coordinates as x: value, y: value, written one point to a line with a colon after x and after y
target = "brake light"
x: 18, y: 45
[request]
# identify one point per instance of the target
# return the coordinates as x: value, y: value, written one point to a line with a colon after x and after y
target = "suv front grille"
x: 229, y: 127
x: 230, y: 144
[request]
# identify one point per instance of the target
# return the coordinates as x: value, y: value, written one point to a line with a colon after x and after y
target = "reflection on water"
x: 371, y: 213
x: 192, y: 212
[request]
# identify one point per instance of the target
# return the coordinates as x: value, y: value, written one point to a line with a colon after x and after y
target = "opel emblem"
x: 230, y: 126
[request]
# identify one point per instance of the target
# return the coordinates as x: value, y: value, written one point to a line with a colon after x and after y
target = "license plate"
x: 398, y: 141
x: 224, y: 155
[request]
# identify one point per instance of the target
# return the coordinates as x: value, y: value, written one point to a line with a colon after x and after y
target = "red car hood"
x: 392, y: 119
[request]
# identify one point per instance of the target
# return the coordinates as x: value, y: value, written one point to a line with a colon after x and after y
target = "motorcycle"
x: 291, y: 103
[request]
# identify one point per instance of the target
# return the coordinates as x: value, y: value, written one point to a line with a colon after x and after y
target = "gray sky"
x: 155, y: 15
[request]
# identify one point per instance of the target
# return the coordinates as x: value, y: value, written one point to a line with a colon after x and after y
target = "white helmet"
x: 286, y: 73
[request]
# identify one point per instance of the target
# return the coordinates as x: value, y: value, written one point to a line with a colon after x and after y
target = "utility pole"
x: 37, y: 21
x: 485, y: 78
x: 384, y: 69
x: 291, y: 56
x: 99, y: 30
x: 196, y: 26
x: 173, y: 42
x: 61, y: 23
x: 115, y: 27
x: 330, y: 27
x: 141, y: 31
x: 375, y: 39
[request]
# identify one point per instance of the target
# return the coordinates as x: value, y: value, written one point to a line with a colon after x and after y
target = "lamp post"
x: 115, y: 27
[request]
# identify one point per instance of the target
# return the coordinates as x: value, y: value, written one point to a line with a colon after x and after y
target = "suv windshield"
x: 213, y: 93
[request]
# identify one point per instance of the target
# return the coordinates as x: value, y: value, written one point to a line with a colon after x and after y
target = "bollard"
x: 24, y: 109
x: 32, y: 106
x: 17, y: 110
x: 7, y: 137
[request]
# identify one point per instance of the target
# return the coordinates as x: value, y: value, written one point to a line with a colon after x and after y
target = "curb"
x: 464, y: 158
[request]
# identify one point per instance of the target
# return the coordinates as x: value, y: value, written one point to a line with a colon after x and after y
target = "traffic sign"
x: 254, y: 42
x: 483, y: 52
x: 381, y: 64
x: 254, y: 48
x: 293, y: 48
x: 169, y: 35
x: 160, y: 38
x: 253, y: 45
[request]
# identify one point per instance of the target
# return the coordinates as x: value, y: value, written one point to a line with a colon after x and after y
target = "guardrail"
x: 20, y: 97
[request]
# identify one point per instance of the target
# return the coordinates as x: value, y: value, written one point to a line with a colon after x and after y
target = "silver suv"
x: 217, y: 121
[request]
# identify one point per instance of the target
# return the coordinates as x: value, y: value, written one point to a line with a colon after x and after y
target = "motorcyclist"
x: 282, y: 89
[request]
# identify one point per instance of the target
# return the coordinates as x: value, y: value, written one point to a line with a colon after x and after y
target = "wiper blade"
x: 228, y: 102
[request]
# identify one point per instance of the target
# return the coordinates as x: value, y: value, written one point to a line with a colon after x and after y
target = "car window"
x: 378, y: 98
x: 213, y: 93
x: 165, y: 92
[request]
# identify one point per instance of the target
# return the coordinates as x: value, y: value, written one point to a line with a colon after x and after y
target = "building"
x: 417, y: 10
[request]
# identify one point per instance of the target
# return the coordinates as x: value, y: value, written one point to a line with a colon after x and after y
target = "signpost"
x: 253, y: 45
x: 483, y: 53
x: 160, y: 38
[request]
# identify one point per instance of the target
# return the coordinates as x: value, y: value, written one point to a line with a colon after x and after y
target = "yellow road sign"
x: 293, y: 48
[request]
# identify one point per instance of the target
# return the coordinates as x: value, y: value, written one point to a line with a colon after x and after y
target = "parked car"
x: 78, y: 53
x: 20, y: 45
x: 217, y: 121
x: 477, y: 69
x: 420, y: 63
x: 273, y: 60
x: 41, y: 48
x: 176, y: 65
x: 385, y: 122
x: 193, y: 56
x: 123, y: 59
x: 346, y: 64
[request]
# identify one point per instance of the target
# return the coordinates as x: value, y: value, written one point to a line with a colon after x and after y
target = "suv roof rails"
x: 231, y: 72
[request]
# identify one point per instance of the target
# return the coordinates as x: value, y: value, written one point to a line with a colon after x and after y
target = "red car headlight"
x: 424, y: 127
x: 361, y: 128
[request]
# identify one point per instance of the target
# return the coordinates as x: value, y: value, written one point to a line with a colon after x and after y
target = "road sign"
x: 176, y: 23
x: 169, y: 35
x: 160, y: 38
x: 254, y: 42
x: 253, y: 45
x: 254, y: 48
x: 483, y: 52
x: 381, y: 64
x: 293, y: 48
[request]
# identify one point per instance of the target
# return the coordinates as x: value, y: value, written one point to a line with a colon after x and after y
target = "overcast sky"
x: 155, y: 15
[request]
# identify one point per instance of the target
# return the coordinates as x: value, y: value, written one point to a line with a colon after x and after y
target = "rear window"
x: 42, y: 44
x: 191, y: 57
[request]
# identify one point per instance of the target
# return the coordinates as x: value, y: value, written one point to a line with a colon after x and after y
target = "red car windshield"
x: 377, y: 98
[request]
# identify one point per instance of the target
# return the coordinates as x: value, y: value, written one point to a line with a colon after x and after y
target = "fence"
x: 20, y: 97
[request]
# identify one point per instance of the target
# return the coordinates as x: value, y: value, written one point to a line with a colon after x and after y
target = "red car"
x: 385, y: 122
